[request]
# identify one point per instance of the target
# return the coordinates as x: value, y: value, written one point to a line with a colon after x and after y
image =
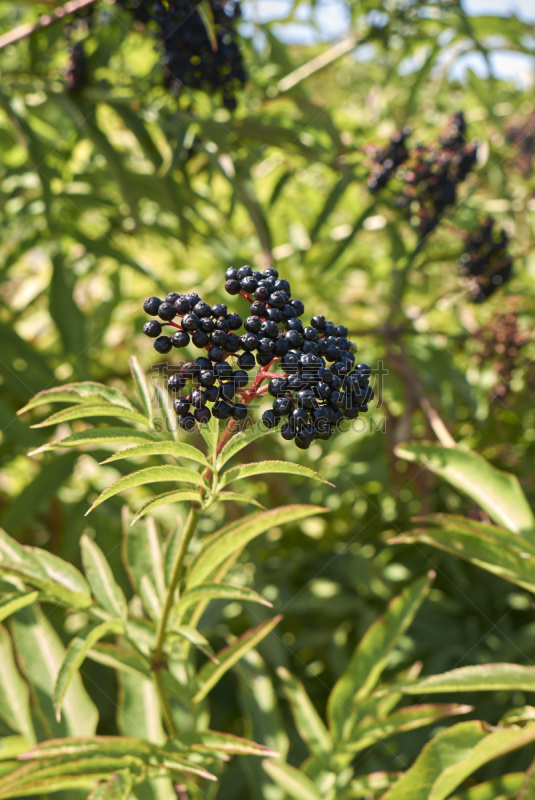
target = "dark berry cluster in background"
x: 486, y: 261
x: 76, y: 74
x: 319, y: 385
x: 386, y: 160
x: 431, y: 173
x: 188, y: 55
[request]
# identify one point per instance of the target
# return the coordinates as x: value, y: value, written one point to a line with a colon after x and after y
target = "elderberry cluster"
x: 486, y: 262
x: 76, y: 74
x: 387, y: 159
x: 319, y: 385
x: 188, y: 54
x: 432, y: 172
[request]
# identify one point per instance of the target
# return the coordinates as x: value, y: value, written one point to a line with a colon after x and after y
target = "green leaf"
x: 168, y: 417
x: 234, y: 497
x: 120, y: 658
x: 149, y: 598
x: 210, y: 674
x: 307, y: 720
x: 177, y: 450
x: 214, y: 742
x: 450, y: 747
x: 367, y: 786
x: 495, y: 549
x: 14, y: 693
x: 143, y: 555
x: 65, y: 312
x: 13, y: 602
x: 403, y: 719
x: 268, y: 467
x: 294, y: 782
x: 503, y: 787
x: 75, y: 656
x: 230, y: 539
x: 150, y: 475
x: 142, y: 388
x: 371, y: 655
x: 498, y: 493
x: 241, y: 440
x: 40, y: 654
x: 479, y: 678
x: 81, y: 392
x: 105, y: 588
x: 117, y: 787
x: 219, y: 591
x: 84, y: 410
x: 206, y: 14
x: 46, y: 572
x: 194, y: 637
x: 493, y: 746
x: 167, y: 498
x: 139, y: 709
x: 96, y: 436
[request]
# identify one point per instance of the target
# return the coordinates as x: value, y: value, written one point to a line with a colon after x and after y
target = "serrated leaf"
x: 493, y: 746
x: 448, y: 748
x: 268, y: 467
x: 219, y: 591
x: 77, y: 393
x: 294, y: 782
x: 234, y: 497
x: 403, y: 719
x: 105, y: 588
x: 490, y: 547
x: 39, y: 655
x: 75, y: 656
x: 168, y: 417
x: 13, y: 602
x: 307, y: 720
x: 210, y: 674
x: 142, y: 388
x: 498, y: 493
x: 85, y: 410
x: 221, y: 545
x: 241, y: 440
x: 150, y: 475
x: 177, y: 450
x: 370, y: 657
x: 167, y: 498
x: 212, y: 741
x: 117, y: 787
x: 479, y: 678
x: 96, y: 436
x: 143, y: 555
x: 14, y: 693
x: 120, y: 658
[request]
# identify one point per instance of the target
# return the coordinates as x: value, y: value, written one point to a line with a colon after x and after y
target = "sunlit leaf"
x: 294, y: 782
x: 268, y: 467
x: 105, y: 588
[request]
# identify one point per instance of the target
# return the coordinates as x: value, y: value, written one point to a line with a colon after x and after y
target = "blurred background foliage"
x: 123, y: 190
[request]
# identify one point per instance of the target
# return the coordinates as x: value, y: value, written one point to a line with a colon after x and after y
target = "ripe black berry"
x: 216, y: 353
x: 270, y: 419
x: 239, y: 411
x: 232, y: 286
x: 246, y: 361
x: 200, y: 339
x: 190, y: 322
x: 187, y: 422
x: 163, y: 344
x: 221, y: 409
x: 182, y: 305
x: 202, y: 415
x: 152, y: 328
x: 176, y: 382
x: 282, y: 406
x: 152, y: 305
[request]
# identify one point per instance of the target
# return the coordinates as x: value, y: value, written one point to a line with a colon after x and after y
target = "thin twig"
x: 23, y: 31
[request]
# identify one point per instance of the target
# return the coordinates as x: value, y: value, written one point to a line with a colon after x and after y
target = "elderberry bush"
x: 387, y: 159
x: 188, y: 55
x: 319, y: 384
x: 486, y: 261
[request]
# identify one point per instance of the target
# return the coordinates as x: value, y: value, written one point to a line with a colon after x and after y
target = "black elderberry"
x: 293, y: 338
x: 231, y: 274
x: 305, y: 399
x: 207, y: 378
x: 233, y: 344
x: 221, y: 409
x: 265, y: 346
x: 176, y: 383
x: 261, y: 294
x: 282, y: 406
x: 203, y: 363
x: 219, y: 338
x: 264, y: 359
x: 298, y: 306
x: 219, y: 310
x: 234, y: 321
x: 152, y: 328
x: 187, y: 422
x: 202, y: 309
x: 288, y: 312
x: 270, y: 419
x: 182, y: 305
x: 190, y: 370
x: 239, y: 411
x: 232, y: 286
x: 200, y: 339
x: 275, y: 315
x: 269, y: 329
x: 288, y: 431
x: 253, y: 324
x: 249, y: 341
x: 271, y: 272
x: 152, y: 305
x: 202, y: 415
x: 246, y: 361
x: 240, y: 378
x: 163, y: 344
x: 257, y: 309
x: 212, y: 393
x: 281, y: 348
x: 277, y: 386
x: 295, y: 325
x: 318, y: 322
x: 181, y: 405
x: 227, y: 390
x: 206, y: 325
x: 172, y: 297
x: 190, y: 322
x: 198, y: 398
x: 249, y: 284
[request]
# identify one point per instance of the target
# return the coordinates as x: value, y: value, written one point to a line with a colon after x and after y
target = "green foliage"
x: 112, y: 193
